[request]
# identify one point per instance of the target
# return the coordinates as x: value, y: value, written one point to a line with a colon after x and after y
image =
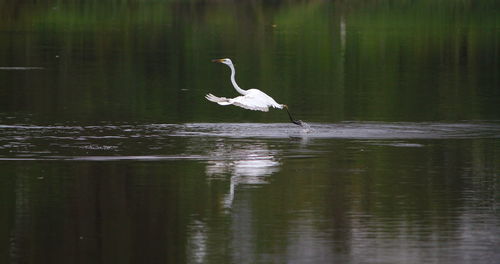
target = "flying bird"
x: 252, y: 99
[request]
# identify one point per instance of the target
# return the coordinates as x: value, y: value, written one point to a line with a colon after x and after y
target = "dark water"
x: 109, y: 152
x: 349, y: 192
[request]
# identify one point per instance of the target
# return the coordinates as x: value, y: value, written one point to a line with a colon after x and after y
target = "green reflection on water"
x: 331, y: 205
x: 329, y: 61
x: 149, y: 62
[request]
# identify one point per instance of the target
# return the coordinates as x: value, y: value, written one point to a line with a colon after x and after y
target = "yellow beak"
x: 217, y: 60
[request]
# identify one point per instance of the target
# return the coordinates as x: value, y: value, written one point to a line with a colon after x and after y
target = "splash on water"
x: 196, y: 140
x: 306, y: 128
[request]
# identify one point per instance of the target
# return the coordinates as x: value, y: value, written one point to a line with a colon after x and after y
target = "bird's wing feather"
x: 219, y: 100
x: 257, y: 101
x: 251, y: 103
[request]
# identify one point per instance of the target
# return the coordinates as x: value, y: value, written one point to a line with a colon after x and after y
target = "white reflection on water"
x: 307, y: 242
x: 20, y: 68
x: 159, y: 141
x: 197, y: 241
x: 346, y: 130
x: 249, y: 164
x: 246, y: 157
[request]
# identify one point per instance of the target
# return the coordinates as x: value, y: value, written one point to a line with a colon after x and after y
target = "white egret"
x: 252, y: 99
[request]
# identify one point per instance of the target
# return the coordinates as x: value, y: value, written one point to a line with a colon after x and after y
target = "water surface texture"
x: 109, y: 152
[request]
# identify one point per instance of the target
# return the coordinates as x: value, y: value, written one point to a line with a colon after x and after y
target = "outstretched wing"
x: 251, y: 103
x: 219, y: 100
x: 247, y: 101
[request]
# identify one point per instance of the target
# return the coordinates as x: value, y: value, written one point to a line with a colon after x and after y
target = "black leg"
x: 297, y: 122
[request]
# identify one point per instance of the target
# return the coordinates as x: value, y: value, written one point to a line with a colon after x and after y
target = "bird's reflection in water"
x: 197, y: 241
x: 243, y: 164
x: 246, y: 163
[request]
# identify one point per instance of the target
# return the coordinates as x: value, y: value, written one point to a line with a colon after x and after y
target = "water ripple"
x: 197, y: 140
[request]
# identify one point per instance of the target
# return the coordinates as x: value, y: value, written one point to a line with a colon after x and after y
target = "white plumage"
x: 252, y: 99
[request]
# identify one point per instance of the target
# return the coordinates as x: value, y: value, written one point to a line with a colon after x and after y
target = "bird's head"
x: 225, y: 61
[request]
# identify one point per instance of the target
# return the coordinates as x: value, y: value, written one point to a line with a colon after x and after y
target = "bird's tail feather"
x: 219, y: 100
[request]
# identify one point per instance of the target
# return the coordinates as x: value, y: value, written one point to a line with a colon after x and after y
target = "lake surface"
x: 109, y: 152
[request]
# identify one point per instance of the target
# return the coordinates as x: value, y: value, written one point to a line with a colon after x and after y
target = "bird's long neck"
x: 233, y: 80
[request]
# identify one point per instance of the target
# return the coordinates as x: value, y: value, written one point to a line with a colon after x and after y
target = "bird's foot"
x: 298, y: 122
